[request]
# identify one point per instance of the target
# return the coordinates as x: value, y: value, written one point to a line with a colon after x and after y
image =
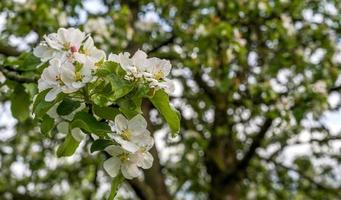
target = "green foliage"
x: 161, y: 102
x: 68, y: 147
x: 116, y: 182
x: 67, y: 106
x: 20, y: 102
x: 89, y: 124
x: 40, y: 106
x: 100, y: 145
x: 47, y: 125
x: 108, y: 113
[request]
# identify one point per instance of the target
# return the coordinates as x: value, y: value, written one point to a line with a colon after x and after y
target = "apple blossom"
x: 125, y: 162
x: 132, y: 134
x: 51, y: 78
x: 88, y: 51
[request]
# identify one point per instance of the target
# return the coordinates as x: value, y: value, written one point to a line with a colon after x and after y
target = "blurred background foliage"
x: 254, y: 81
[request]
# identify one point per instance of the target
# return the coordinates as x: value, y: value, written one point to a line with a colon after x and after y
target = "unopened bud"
x: 73, y: 49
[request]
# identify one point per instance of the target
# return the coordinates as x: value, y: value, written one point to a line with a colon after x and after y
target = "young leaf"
x: 106, y: 112
x: 46, y: 125
x: 100, y: 144
x: 161, y: 102
x: 68, y: 147
x: 120, y: 87
x: 67, y: 106
x: 88, y: 123
x: 128, y: 107
x: 20, y: 103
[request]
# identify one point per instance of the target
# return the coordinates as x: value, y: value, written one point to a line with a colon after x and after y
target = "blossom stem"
x: 116, y: 182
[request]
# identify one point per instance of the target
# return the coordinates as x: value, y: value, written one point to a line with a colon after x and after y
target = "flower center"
x: 159, y: 75
x: 79, y: 76
x: 126, y: 134
x: 123, y: 157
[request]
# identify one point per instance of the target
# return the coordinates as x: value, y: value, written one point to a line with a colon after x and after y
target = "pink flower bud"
x: 73, y: 49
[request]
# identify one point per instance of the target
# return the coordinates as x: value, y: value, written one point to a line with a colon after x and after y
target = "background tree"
x: 253, y: 79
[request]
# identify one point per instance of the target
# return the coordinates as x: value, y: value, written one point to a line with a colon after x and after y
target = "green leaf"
x: 106, y: 112
x: 25, y: 62
x: 88, y: 123
x: 68, y: 147
x: 40, y: 106
x: 20, y: 103
x: 67, y: 106
x: 106, y: 68
x: 161, y: 101
x: 116, y: 182
x: 47, y: 125
x: 100, y: 145
x: 129, y: 107
x: 120, y: 87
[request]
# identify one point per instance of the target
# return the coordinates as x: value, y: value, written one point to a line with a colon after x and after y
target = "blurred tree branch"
x: 8, y: 50
x: 14, y: 76
x: 302, y: 174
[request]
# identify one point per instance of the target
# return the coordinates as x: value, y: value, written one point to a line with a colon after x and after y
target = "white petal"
x: 42, y: 85
x: 144, y: 140
x: 43, y: 52
x: 126, y: 145
x: 80, y: 57
x: 121, y: 123
x: 89, y: 43
x: 97, y: 55
x: 139, y: 55
x: 112, y: 166
x: 113, y: 57
x: 147, y: 161
x: 67, y: 73
x: 114, y: 150
x: 52, y: 94
x: 137, y: 123
x: 130, y: 170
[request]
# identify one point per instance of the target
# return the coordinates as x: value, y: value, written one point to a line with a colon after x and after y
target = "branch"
x: 162, y: 44
x: 243, y: 163
x: 143, y: 191
x: 8, y: 50
x: 14, y: 76
x: 202, y: 85
x: 302, y: 174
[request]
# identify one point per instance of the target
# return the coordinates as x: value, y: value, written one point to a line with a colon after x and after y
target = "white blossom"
x: 65, y: 39
x: 132, y: 134
x: 127, y: 162
x: 51, y: 78
x: 63, y: 76
x: 152, y: 70
x: 90, y: 52
x: 76, y: 75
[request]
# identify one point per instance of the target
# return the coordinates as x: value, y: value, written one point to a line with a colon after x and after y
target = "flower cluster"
x: 72, y: 57
x: 73, y: 63
x: 131, y: 152
x: 154, y: 71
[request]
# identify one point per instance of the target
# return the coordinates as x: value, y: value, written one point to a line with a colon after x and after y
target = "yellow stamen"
x: 126, y: 134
